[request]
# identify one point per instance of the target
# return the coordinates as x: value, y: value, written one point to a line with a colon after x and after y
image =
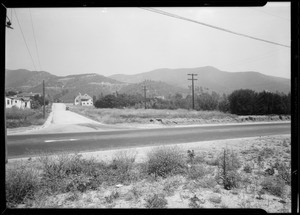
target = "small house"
x: 83, y: 100
x: 20, y: 102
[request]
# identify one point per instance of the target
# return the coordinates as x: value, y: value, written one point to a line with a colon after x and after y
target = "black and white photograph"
x: 148, y: 107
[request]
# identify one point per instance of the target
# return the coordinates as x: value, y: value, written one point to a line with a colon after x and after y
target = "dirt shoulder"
x: 179, y: 190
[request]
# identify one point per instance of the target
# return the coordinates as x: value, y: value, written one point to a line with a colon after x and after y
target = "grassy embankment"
x: 16, y: 117
x: 166, y: 117
x: 251, y: 173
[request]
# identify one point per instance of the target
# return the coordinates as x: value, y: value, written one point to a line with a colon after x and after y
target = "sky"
x: 107, y: 41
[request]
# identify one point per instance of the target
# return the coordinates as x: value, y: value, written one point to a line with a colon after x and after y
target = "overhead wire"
x: 25, y: 41
x: 211, y: 26
x: 36, y: 47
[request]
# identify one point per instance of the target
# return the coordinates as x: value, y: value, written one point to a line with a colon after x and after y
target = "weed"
x: 285, y: 144
x: 164, y: 161
x: 248, y: 168
x: 217, y: 189
x: 21, y: 184
x: 196, y: 172
x: 215, y: 198
x: 191, y: 156
x: 266, y: 152
x: 195, y: 202
x: 223, y: 205
x: 284, y: 173
x: 207, y: 182
x: 111, y: 197
x: 273, y: 185
x: 156, y: 201
x: 212, y: 162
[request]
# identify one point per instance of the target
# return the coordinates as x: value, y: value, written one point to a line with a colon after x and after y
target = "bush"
x: 196, y: 172
x: 274, y: 186
x: 195, y: 202
x: 156, y: 201
x: 284, y: 173
x: 248, y: 168
x: 215, y: 198
x: 20, y: 184
x: 207, y: 182
x: 164, y: 161
x: 64, y: 173
x: 228, y: 166
x: 122, y: 167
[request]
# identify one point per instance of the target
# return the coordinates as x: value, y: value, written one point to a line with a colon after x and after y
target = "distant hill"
x: 212, y: 78
x: 154, y: 88
x: 63, y: 88
x: 23, y: 79
x: 160, y: 82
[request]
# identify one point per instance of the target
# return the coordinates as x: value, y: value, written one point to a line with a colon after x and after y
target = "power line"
x: 25, y: 40
x: 35, y: 41
x: 211, y: 26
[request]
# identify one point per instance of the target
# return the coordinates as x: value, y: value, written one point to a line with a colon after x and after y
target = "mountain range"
x: 160, y: 82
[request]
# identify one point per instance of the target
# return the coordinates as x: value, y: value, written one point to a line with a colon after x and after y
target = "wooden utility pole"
x: 8, y: 25
x: 44, y: 99
x: 145, y: 90
x: 193, y: 98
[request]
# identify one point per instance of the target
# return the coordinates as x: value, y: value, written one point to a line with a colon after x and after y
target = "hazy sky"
x: 110, y: 41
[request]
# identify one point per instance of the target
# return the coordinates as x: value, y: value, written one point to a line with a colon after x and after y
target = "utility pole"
x: 145, y: 90
x: 43, y: 99
x: 8, y: 25
x: 193, y: 88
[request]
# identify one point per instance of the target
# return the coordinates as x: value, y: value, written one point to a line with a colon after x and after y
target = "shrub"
x: 172, y: 183
x: 191, y: 156
x: 207, y: 182
x: 213, y: 162
x: 20, y: 184
x: 194, y: 202
x: 274, y: 186
x: 122, y: 166
x: 156, y: 201
x: 196, y: 172
x: 228, y: 165
x: 64, y: 173
x: 284, y: 173
x: 110, y: 198
x: 215, y: 198
x: 164, y: 161
x: 247, y: 168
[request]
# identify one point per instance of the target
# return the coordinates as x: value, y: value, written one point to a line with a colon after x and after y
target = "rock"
x: 119, y: 185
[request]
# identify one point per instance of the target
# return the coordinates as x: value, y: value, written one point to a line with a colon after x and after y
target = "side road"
x: 60, y: 121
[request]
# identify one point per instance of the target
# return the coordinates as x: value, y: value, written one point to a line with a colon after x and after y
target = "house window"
x: 15, y: 101
x: 8, y: 102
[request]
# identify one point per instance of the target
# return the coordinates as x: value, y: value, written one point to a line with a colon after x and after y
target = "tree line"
x: 240, y: 102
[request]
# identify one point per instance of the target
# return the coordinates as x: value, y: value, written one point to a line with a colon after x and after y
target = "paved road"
x: 34, y: 144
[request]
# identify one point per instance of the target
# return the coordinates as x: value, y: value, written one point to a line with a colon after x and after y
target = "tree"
x: 242, y: 102
x: 10, y: 93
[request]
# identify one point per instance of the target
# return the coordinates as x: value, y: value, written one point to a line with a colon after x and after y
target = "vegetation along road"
x: 35, y: 144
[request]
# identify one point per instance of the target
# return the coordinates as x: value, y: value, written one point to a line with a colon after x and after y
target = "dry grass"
x: 121, y: 182
x: 164, y: 116
x: 16, y: 117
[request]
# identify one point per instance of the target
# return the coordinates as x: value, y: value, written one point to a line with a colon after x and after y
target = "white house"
x: 20, y: 102
x: 84, y: 100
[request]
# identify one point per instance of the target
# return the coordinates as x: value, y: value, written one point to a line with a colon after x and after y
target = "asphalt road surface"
x: 34, y: 144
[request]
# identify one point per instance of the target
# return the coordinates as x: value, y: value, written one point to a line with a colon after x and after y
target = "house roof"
x: 85, y: 97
